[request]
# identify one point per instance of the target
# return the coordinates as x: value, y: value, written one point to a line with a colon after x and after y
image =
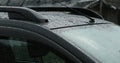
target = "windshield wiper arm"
x: 91, y: 21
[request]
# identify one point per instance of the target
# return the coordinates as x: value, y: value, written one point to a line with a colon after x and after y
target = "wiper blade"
x: 77, y: 26
x: 66, y: 9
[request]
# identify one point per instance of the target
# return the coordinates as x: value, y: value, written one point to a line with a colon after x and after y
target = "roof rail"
x: 22, y: 13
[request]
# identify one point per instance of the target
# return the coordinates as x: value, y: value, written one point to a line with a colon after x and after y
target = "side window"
x: 14, y: 51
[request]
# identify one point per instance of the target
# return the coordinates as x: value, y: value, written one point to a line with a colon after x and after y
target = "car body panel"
x: 96, y: 38
x: 56, y: 33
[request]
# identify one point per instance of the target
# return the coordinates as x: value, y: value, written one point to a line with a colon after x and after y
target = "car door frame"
x: 38, y: 33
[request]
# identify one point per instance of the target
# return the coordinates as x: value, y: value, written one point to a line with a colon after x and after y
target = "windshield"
x: 46, y: 3
x: 99, y: 42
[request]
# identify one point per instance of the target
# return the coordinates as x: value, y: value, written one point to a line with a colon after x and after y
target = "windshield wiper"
x: 77, y: 26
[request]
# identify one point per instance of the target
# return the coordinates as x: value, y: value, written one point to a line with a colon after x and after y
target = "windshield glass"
x: 100, y: 42
x: 45, y: 3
